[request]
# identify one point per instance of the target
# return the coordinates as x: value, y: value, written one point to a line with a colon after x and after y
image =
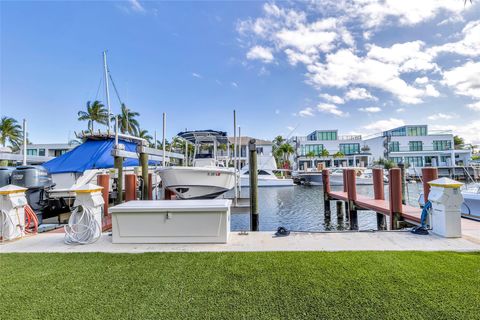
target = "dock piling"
x: 326, y: 191
x: 103, y: 180
x: 144, y: 164
x: 352, y: 197
x: 395, y: 191
x: 404, y: 181
x: 253, y: 173
x: 428, y: 174
x: 130, y: 187
x: 118, y: 163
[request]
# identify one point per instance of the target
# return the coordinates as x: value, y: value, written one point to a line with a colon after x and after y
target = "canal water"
x: 300, y: 208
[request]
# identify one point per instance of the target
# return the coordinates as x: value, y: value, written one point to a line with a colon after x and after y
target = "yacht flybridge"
x: 208, y: 177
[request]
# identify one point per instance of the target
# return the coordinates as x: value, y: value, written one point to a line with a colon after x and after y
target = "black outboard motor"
x: 5, y: 175
x: 37, y: 181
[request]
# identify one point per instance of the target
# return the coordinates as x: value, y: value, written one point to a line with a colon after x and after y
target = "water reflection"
x: 300, y: 208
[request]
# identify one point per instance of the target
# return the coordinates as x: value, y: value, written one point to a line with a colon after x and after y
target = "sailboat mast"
x: 107, y: 92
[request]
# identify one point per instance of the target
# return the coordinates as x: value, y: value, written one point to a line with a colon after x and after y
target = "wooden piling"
x: 352, y: 197
x: 118, y: 163
x: 150, y: 186
x: 144, y: 164
x: 344, y: 175
x: 103, y: 180
x: 339, y: 210
x: 428, y: 174
x: 395, y: 192
x: 326, y: 191
x: 378, y: 188
x: 253, y: 173
x: 404, y: 181
x: 130, y: 187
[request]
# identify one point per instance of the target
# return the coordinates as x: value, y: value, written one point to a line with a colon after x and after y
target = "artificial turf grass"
x: 269, y: 285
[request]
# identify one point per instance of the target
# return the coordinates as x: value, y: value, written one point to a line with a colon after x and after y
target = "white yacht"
x: 209, y: 177
x: 363, y: 176
x: 266, y: 174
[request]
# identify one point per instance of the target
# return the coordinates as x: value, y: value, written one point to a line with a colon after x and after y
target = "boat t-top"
x: 208, y: 177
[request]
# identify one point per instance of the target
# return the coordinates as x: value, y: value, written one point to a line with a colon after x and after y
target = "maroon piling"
x: 150, y: 187
x: 395, y: 192
x: 130, y: 187
x: 344, y: 180
x: 326, y: 191
x: 103, y: 180
x: 378, y: 189
x: 428, y: 174
x: 352, y: 197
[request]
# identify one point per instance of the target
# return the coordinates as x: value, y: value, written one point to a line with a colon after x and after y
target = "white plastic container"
x: 171, y: 221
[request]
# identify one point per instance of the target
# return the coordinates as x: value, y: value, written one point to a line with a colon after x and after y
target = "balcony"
x: 424, y: 148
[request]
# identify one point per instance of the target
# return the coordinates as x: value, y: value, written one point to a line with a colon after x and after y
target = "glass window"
x: 415, y: 145
x: 315, y: 148
x: 397, y: 160
x: 260, y: 150
x: 326, y: 135
x: 41, y: 152
x: 417, y: 131
x: 414, y: 161
x: 394, y: 146
x: 31, y: 152
x: 440, y: 145
x: 350, y: 148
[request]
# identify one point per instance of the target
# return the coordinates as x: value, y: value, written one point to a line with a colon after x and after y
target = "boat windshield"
x: 204, y: 156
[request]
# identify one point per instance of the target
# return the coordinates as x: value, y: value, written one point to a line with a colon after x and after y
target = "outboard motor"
x: 37, y: 181
x: 5, y: 175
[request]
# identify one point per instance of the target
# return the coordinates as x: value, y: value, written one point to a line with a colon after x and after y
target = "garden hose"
x: 82, y: 227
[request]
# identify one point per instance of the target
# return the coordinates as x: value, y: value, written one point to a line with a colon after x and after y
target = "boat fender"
x: 282, y: 232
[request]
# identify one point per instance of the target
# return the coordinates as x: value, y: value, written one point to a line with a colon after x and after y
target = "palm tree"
x: 311, y: 155
x: 144, y: 135
x: 127, y: 122
x: 96, y: 112
x: 339, y: 154
x: 10, y: 131
x: 286, y: 149
x: 325, y: 153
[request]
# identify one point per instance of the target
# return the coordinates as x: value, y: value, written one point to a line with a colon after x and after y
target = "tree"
x: 286, y: 149
x: 277, y: 152
x: 10, y: 131
x: 127, y: 122
x: 144, y: 135
x: 96, y: 112
x: 339, y: 154
x: 325, y: 153
x: 311, y: 155
x: 458, y: 142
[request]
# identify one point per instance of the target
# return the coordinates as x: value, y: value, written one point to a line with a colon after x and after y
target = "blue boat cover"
x: 92, y: 154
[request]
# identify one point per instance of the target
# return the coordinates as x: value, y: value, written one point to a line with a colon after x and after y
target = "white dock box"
x: 171, y: 221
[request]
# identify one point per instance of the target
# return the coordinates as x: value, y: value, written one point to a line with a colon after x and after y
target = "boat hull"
x: 267, y: 182
x: 197, y: 182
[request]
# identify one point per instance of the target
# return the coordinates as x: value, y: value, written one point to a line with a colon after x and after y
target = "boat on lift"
x: 364, y: 176
x: 266, y: 174
x: 208, y: 177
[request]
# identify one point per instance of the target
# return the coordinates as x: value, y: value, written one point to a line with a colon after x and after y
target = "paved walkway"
x: 261, y: 241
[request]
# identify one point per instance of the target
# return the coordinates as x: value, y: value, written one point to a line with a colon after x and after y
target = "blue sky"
x: 359, y: 66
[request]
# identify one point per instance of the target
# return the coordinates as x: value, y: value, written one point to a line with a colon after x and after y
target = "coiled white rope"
x: 10, y: 229
x: 82, y: 227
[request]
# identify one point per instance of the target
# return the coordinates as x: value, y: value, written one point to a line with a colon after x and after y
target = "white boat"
x: 266, y: 174
x: 363, y: 176
x: 209, y: 177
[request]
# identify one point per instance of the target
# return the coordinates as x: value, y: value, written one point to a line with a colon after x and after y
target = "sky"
x: 287, y: 68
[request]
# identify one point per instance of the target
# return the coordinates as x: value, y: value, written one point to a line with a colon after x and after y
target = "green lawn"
x: 294, y: 285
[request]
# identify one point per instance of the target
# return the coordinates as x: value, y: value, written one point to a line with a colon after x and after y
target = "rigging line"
x: 115, y: 88
x: 99, y: 85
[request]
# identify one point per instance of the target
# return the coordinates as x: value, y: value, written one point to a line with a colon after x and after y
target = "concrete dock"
x: 266, y: 241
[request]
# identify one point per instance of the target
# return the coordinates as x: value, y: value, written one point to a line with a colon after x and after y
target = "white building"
x: 343, y: 150
x: 38, y: 153
x: 264, y: 147
x: 417, y: 146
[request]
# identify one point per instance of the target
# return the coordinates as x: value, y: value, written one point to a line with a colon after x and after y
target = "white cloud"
x: 359, y: 94
x: 307, y: 112
x: 468, y: 46
x: 234, y: 84
x: 421, y: 80
x: 399, y: 110
x: 277, y: 111
x: 332, y: 98
x: 474, y: 106
x: 196, y: 75
x: 332, y: 109
x: 136, y: 6
x: 464, y: 80
x: 370, y: 109
x: 260, y: 53
x: 344, y: 68
x: 295, y: 57
x: 468, y: 131
x: 384, y: 125
x: 441, y: 116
